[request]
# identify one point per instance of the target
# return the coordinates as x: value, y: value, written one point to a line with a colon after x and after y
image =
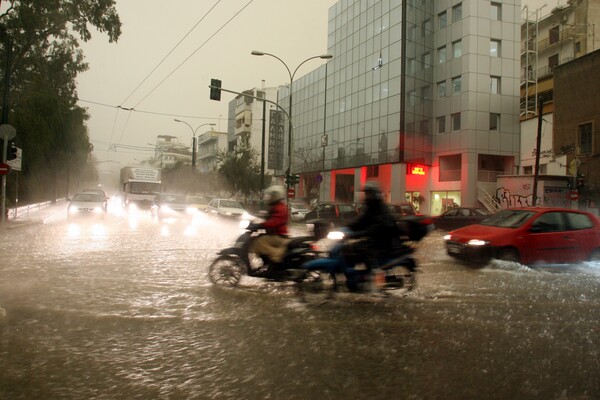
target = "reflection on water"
x: 131, y: 314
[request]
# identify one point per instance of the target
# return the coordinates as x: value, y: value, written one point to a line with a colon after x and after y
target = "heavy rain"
x: 123, y: 308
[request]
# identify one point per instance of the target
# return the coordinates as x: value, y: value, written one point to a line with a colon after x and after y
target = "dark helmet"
x: 372, y: 190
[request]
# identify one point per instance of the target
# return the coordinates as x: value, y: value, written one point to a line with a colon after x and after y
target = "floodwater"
x: 123, y: 310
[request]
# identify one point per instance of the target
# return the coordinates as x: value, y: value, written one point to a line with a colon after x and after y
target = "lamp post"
x: 193, y: 140
x: 291, y: 74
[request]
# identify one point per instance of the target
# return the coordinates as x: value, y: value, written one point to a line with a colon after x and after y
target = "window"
x: 577, y: 47
x: 411, y: 98
x: 554, y: 34
x: 426, y: 27
x: 441, y: 89
x: 456, y: 84
x: 528, y: 170
x: 424, y: 126
x: 442, y: 55
x: 553, y: 61
x: 549, y: 222
x: 585, y: 138
x: 496, y: 11
x: 412, y: 66
x: 494, y: 122
x: 442, y: 19
x: 495, y: 84
x: 426, y: 92
x: 457, y: 12
x: 457, y: 49
x: 427, y: 60
x: 412, y: 32
x: 494, y: 48
x: 456, y: 122
x: 441, y: 124
x: 578, y: 221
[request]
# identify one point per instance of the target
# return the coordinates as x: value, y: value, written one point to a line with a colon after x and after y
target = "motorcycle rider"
x: 379, y: 229
x: 271, y: 247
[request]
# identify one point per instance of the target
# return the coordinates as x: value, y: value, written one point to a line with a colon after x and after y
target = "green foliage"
x: 45, y: 60
x: 240, y: 169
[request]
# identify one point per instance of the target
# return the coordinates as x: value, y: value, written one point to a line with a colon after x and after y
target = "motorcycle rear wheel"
x: 226, y: 271
x: 315, y: 286
x: 405, y: 276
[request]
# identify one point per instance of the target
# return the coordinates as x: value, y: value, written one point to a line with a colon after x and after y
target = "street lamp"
x: 193, y: 140
x: 291, y: 74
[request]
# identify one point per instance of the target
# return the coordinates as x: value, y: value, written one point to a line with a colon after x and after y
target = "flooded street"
x: 121, y: 311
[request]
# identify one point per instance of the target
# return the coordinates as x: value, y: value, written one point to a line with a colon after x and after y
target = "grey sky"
x: 216, y: 48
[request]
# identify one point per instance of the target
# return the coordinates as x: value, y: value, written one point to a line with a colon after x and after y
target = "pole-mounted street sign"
x: 4, y: 168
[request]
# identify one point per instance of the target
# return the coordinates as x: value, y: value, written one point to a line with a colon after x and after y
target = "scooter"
x: 346, y: 260
x: 236, y: 261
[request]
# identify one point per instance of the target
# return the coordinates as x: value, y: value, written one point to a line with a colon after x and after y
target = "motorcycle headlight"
x: 335, y: 235
x: 244, y: 223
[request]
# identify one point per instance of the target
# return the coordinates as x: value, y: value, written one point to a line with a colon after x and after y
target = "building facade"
x: 421, y: 95
x: 209, y: 145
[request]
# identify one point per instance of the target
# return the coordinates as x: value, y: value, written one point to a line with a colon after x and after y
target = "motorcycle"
x: 236, y: 261
x: 347, y: 260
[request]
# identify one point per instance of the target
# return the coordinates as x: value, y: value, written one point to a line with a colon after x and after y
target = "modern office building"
x: 421, y: 95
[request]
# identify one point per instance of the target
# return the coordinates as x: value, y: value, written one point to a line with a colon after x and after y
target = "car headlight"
x: 73, y: 210
x: 227, y: 213
x: 477, y: 242
x: 335, y: 235
x: 98, y: 209
x: 448, y: 237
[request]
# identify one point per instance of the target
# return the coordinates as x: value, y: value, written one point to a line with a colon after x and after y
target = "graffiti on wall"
x: 523, y: 197
x: 509, y: 199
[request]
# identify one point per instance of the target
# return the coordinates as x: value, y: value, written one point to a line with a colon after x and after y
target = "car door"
x: 548, y: 239
x: 446, y: 220
x: 582, y: 234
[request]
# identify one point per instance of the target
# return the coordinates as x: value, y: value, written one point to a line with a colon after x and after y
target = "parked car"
x: 226, y: 208
x: 458, y: 217
x: 87, y: 204
x: 169, y: 205
x: 402, y: 209
x: 298, y: 211
x: 534, y: 235
x: 338, y: 214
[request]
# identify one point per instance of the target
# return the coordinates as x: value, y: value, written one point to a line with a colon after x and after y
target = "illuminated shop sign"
x: 416, y: 169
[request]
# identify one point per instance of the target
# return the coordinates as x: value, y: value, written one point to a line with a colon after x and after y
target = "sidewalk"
x: 34, y: 214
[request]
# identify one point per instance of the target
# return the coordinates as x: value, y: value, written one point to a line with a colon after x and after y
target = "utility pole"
x: 538, y: 143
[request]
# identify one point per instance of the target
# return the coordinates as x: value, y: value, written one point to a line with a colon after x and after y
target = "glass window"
x: 456, y: 84
x: 427, y: 60
x: 442, y: 55
x: 494, y: 48
x: 441, y: 89
x: 494, y: 122
x: 457, y: 49
x: 496, y: 11
x: 411, y: 98
x: 443, y: 19
x: 549, y: 222
x: 578, y: 221
x: 426, y: 27
x: 441, y: 123
x: 456, y: 122
x: 495, y: 84
x: 585, y: 138
x: 554, y: 34
x: 457, y: 12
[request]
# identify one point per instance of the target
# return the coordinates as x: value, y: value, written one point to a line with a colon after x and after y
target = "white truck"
x: 139, y: 186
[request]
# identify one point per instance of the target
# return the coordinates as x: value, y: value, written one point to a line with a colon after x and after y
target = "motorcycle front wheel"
x: 315, y: 286
x: 226, y: 270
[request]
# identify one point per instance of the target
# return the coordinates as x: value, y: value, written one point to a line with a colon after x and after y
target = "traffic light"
x: 215, y: 89
x: 11, y: 151
x: 294, y: 179
x: 580, y: 180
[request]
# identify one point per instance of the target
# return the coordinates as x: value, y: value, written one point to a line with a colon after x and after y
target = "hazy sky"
x: 132, y: 73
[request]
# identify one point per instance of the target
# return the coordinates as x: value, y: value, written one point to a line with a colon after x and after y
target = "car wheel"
x: 595, y: 256
x: 509, y: 255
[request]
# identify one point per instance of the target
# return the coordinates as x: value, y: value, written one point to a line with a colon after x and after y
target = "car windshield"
x: 508, y: 218
x: 480, y: 211
x: 91, y: 197
x: 230, y: 204
x: 172, y: 198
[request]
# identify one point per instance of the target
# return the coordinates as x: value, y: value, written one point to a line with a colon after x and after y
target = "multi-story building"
x: 421, y: 95
x: 209, y: 145
x: 169, y: 150
x: 550, y: 38
x: 250, y: 119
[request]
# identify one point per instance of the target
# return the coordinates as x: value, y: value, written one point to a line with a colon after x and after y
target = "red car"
x: 533, y: 235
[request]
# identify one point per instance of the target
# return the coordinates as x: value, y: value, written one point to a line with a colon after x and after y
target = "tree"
x: 42, y: 39
x: 241, y: 170
x: 310, y: 162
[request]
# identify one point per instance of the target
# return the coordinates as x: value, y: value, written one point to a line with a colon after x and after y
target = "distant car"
x: 298, y: 211
x: 458, y: 217
x: 533, y: 235
x: 338, y: 214
x: 100, y: 192
x: 226, y: 208
x: 198, y: 202
x: 169, y: 205
x: 87, y: 204
x: 402, y: 209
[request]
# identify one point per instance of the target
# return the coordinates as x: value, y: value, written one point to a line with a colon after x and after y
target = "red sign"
x: 573, y: 195
x: 291, y: 193
x: 416, y: 169
x: 4, y: 169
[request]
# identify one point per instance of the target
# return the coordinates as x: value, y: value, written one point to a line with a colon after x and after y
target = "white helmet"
x: 274, y: 193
